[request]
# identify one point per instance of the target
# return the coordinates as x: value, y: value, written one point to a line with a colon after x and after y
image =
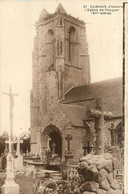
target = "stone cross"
x: 87, y: 148
x: 11, y: 96
x: 53, y: 147
x: 10, y: 144
x: 18, y: 141
x: 48, y: 141
x: 68, y: 138
x: 113, y: 135
x: 98, y: 114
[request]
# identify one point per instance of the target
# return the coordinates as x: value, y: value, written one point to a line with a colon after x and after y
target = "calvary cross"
x: 11, y: 96
x: 68, y: 138
x: 98, y: 114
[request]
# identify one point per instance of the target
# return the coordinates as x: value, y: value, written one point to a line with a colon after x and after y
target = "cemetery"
x: 92, y: 174
x: 28, y: 173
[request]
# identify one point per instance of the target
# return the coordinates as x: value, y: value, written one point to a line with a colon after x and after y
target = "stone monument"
x: 18, y: 162
x: 10, y: 186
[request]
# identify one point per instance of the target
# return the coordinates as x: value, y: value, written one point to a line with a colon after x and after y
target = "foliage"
x: 2, y: 144
x: 25, y: 146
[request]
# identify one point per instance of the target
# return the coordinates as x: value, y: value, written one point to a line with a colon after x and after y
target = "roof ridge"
x: 95, y: 82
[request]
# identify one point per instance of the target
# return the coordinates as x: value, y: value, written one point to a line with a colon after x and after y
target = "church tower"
x: 60, y: 61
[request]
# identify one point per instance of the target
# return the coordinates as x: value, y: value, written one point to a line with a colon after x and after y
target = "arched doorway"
x: 52, y: 139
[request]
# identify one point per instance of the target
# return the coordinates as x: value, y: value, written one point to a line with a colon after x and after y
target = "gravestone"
x: 30, y: 171
x: 19, y: 160
x: 68, y: 154
x: 68, y: 138
x: 87, y: 148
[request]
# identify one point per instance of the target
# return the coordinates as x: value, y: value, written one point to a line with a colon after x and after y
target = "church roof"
x: 110, y: 90
x: 76, y: 114
x: 60, y: 9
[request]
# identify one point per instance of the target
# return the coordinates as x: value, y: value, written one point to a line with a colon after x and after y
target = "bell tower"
x: 60, y: 61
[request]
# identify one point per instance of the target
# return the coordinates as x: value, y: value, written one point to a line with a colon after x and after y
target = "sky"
x: 17, y: 31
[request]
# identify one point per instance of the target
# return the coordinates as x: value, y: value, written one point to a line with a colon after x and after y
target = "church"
x: 62, y: 95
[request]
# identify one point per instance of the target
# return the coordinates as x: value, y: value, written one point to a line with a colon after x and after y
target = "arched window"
x: 50, y: 36
x: 50, y: 48
x: 73, y: 46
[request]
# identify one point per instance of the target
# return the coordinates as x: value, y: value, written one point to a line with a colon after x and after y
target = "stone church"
x: 62, y: 93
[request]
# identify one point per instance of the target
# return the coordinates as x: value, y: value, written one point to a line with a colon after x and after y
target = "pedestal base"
x: 68, y: 157
x: 12, y: 188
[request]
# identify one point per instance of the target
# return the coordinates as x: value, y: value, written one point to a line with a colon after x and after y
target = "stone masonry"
x: 62, y: 93
x: 60, y: 56
x: 97, y: 174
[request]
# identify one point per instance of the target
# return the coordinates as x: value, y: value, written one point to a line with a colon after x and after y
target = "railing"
x: 71, y: 173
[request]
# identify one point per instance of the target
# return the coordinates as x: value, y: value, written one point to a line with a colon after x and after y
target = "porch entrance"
x: 52, y: 139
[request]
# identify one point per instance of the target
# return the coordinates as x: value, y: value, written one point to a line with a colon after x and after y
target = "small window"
x: 60, y: 21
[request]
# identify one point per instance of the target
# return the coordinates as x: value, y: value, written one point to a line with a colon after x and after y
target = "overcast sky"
x: 17, y: 19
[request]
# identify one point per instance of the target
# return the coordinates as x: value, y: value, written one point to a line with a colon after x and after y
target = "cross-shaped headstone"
x: 87, y: 148
x: 10, y: 142
x: 68, y: 138
x: 113, y: 135
x: 53, y: 147
x: 99, y: 114
x: 18, y: 141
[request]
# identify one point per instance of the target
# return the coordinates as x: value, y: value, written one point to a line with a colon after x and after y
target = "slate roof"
x: 76, y: 114
x: 111, y: 90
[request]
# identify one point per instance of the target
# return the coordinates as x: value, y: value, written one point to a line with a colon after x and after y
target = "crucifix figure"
x: 98, y: 114
x: 113, y: 135
x: 53, y: 147
x: 68, y: 138
x: 87, y: 148
x: 11, y: 96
